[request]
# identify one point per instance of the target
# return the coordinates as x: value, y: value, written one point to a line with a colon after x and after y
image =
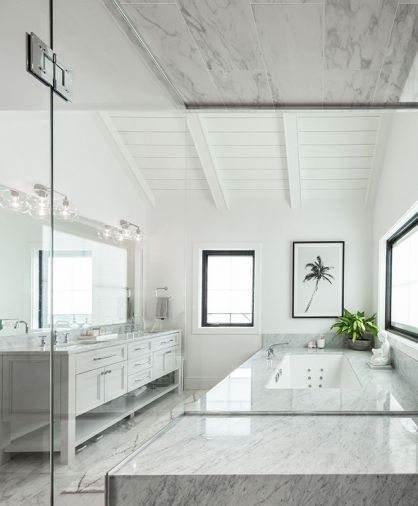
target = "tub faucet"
x: 270, y: 350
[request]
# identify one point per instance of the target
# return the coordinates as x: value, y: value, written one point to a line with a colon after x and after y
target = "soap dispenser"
x: 320, y: 343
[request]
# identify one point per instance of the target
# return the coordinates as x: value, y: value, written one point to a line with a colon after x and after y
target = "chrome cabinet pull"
x: 102, y: 358
x: 166, y: 342
x: 141, y: 363
x: 141, y: 379
x: 141, y: 348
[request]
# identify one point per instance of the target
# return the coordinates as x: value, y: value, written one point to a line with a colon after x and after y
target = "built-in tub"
x: 306, y: 370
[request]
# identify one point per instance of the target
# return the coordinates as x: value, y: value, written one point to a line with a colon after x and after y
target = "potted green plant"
x: 358, y: 328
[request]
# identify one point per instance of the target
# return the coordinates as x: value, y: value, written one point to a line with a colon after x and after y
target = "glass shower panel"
x: 117, y: 143
x: 25, y: 228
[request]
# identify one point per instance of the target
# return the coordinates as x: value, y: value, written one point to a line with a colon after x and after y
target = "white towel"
x: 162, y: 308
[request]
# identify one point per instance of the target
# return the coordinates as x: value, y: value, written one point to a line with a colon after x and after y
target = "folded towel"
x: 162, y: 308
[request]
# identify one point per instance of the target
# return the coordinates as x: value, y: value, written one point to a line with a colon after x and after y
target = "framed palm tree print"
x: 318, y: 279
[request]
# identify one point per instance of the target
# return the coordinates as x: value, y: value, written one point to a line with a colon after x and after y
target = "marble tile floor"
x: 25, y: 479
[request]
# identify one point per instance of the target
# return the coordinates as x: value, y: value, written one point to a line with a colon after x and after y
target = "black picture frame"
x: 340, y: 244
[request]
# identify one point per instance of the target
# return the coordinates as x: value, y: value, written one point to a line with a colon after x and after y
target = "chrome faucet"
x: 16, y: 320
x: 270, y: 350
x: 24, y: 323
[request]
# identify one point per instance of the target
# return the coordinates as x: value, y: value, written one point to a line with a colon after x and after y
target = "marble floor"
x: 25, y: 480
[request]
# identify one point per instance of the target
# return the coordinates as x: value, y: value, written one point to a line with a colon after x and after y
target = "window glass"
x: 228, y: 288
x: 404, y: 282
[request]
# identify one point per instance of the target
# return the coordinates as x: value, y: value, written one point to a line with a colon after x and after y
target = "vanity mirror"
x: 95, y: 277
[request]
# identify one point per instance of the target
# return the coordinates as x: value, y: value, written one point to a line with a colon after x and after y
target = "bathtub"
x: 310, y: 370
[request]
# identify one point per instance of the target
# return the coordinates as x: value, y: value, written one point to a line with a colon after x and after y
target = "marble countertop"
x: 244, y: 390
x: 278, y: 445
x: 76, y: 346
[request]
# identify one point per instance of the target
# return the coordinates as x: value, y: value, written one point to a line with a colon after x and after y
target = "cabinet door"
x: 89, y: 390
x: 164, y: 362
x: 116, y: 380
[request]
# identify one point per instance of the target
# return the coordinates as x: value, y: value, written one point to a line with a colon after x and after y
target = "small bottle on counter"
x: 321, y: 342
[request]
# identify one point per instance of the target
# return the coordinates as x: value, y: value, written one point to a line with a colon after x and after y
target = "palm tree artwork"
x: 317, y: 272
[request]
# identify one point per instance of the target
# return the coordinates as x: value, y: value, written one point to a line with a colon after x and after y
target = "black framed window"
x: 402, y: 281
x: 228, y: 288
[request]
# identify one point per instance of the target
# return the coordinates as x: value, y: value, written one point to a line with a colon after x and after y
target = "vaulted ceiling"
x: 299, y: 157
x: 275, y: 52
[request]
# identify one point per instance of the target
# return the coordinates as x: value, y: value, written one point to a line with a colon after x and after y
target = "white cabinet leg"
x: 67, y: 441
x: 4, y: 441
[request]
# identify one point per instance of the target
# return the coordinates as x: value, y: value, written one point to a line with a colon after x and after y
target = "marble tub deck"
x: 248, y: 460
x: 244, y: 390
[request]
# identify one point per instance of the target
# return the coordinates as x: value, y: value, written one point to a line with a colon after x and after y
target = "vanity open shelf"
x: 95, y: 387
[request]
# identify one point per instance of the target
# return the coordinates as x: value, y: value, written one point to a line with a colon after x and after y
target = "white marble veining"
x: 291, y: 41
x: 400, y: 57
x: 357, y: 33
x: 349, y: 86
x: 25, y: 480
x: 279, y: 445
x: 244, y: 390
x: 165, y: 31
x: 224, y: 32
x: 75, y: 346
x: 236, y: 490
x: 267, y: 52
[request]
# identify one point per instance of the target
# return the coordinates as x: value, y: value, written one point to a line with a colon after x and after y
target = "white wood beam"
x: 290, y: 122
x: 206, y: 159
x: 123, y: 153
x: 378, y: 157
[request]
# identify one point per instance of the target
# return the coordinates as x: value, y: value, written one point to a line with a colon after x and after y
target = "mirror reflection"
x: 93, y: 273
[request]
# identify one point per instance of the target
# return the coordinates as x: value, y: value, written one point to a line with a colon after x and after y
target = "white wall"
x: 397, y: 192
x: 87, y: 168
x: 179, y: 223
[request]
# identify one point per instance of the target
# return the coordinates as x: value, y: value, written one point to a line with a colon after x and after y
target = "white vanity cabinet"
x: 93, y: 389
x: 96, y: 387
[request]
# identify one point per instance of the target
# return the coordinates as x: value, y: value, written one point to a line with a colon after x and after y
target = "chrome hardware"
x: 102, y: 358
x: 43, y: 63
x: 166, y: 342
x: 278, y: 374
x: 141, y: 348
x: 142, y: 378
x: 270, y: 350
x: 66, y: 335
x: 141, y: 363
x: 43, y: 341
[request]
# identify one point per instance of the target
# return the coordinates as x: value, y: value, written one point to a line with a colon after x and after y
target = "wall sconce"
x: 131, y: 231
x: 127, y: 232
x: 13, y: 200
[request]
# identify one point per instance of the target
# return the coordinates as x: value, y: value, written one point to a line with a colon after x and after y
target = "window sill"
x: 226, y: 330
x: 404, y: 345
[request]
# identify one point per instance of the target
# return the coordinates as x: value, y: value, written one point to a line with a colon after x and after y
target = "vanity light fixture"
x: 127, y: 232
x: 131, y: 231
x: 14, y: 200
x: 65, y: 210
x: 41, y: 206
x: 105, y: 232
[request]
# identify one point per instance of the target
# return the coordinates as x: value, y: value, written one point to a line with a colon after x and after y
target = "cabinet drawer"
x: 139, y: 379
x: 141, y: 363
x: 165, y: 341
x: 138, y: 348
x: 99, y: 358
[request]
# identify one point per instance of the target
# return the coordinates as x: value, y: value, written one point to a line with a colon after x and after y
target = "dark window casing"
x: 402, y: 232
x: 205, y: 256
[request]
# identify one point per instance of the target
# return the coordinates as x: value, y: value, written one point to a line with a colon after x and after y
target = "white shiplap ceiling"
x: 297, y: 156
